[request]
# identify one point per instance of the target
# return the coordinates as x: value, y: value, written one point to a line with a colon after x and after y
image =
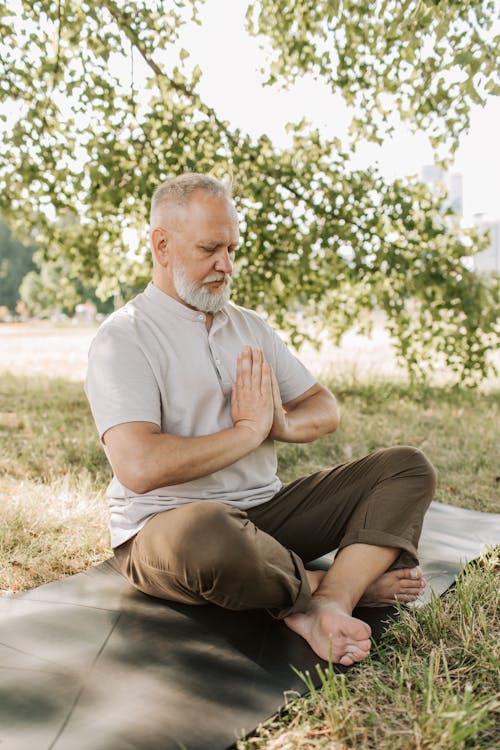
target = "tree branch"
x: 124, y: 21
x: 56, y: 64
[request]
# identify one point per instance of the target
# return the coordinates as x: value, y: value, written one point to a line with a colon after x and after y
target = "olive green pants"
x: 212, y: 552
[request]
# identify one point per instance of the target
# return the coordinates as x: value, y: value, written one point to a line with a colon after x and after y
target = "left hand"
x: 279, y: 428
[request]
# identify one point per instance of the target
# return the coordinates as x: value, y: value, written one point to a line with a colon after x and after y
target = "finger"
x: 239, y: 374
x: 244, y: 367
x: 266, y: 387
x: 257, y: 360
x: 278, y: 404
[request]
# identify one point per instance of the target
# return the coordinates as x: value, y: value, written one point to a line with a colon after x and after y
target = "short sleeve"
x: 293, y: 377
x: 120, y: 384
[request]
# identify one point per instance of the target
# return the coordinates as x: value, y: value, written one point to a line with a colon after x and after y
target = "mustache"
x: 217, y: 277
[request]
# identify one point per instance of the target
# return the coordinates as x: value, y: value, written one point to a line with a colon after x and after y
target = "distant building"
x: 456, y: 193
x: 488, y: 260
x: 432, y: 174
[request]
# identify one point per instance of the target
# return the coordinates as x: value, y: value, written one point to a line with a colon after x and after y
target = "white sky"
x: 230, y: 60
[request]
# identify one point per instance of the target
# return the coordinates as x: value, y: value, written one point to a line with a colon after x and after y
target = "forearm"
x: 143, y: 458
x: 311, y: 419
x: 160, y: 460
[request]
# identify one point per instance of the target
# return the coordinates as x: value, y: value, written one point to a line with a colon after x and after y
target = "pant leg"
x: 380, y: 499
x: 211, y: 552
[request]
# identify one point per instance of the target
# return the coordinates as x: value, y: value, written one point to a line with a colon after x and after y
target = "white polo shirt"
x: 154, y: 361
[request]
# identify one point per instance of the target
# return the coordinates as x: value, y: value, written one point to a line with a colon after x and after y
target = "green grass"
x: 432, y: 684
x: 46, y: 431
x: 53, y: 473
x: 458, y: 430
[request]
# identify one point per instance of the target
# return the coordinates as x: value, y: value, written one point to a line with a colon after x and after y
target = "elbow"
x: 136, y: 457
x: 135, y: 478
x: 335, y: 420
x: 331, y: 413
x: 139, y: 487
x: 135, y: 484
x: 140, y: 477
x: 329, y: 426
x: 332, y: 418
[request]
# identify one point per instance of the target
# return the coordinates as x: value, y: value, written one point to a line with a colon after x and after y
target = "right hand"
x: 252, y: 395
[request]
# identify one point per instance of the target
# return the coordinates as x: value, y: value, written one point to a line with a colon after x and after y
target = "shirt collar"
x: 167, y: 304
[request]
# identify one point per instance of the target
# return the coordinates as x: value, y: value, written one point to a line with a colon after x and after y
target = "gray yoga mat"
x: 88, y: 663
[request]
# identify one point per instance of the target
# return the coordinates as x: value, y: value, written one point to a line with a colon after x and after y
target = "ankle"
x: 315, y: 578
x: 329, y: 595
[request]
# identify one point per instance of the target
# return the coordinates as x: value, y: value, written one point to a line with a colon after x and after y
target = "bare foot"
x: 332, y: 633
x: 403, y: 585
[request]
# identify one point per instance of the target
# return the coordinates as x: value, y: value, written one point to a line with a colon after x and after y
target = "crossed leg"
x: 403, y: 585
x: 372, y: 509
x: 386, y: 496
x: 328, y: 625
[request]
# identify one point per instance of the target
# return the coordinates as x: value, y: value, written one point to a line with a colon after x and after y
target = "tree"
x: 56, y: 282
x: 53, y: 288
x: 424, y: 61
x: 16, y: 260
x: 89, y: 140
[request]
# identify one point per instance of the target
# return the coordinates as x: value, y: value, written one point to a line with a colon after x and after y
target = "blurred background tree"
x: 88, y: 141
x: 16, y: 260
x: 51, y: 290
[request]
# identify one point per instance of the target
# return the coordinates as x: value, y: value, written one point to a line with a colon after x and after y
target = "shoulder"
x: 237, y: 313
x: 255, y: 325
x: 118, y: 327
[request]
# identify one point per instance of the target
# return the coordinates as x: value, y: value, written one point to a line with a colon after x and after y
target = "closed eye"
x: 212, y: 249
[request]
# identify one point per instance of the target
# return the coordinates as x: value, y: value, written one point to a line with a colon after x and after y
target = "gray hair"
x: 179, y: 190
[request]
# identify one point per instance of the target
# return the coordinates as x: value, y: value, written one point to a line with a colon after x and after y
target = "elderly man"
x: 189, y: 393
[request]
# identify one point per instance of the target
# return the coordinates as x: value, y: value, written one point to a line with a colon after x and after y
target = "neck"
x: 172, y: 293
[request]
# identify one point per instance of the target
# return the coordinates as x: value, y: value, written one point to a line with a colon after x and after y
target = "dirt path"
x: 45, y: 349
x: 60, y: 350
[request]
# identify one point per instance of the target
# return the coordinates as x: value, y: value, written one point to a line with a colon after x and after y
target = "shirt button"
x: 201, y: 317
x: 217, y: 361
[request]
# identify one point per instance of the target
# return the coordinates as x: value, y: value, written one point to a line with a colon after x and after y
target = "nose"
x: 224, y: 262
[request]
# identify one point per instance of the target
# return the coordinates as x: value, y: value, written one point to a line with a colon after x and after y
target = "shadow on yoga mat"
x: 88, y: 663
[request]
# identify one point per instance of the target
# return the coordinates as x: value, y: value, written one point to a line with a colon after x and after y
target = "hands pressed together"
x: 255, y: 400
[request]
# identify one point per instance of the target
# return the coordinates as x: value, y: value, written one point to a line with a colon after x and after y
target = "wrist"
x: 281, y: 430
x: 248, y: 433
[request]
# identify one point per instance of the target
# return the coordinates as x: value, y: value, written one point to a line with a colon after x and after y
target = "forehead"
x: 209, y: 217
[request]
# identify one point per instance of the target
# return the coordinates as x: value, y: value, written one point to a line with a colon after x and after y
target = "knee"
x: 405, y: 460
x: 209, y: 533
x: 423, y: 469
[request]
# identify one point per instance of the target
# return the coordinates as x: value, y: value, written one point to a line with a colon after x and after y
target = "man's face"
x: 201, y: 243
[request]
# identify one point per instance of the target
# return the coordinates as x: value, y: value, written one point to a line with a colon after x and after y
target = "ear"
x: 159, y: 243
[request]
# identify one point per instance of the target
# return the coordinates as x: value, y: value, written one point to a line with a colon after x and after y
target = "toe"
x: 359, y: 654
x: 410, y: 587
x: 346, y: 660
x: 413, y: 574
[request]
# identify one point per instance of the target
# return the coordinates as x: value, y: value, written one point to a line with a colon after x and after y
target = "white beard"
x: 199, y: 296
